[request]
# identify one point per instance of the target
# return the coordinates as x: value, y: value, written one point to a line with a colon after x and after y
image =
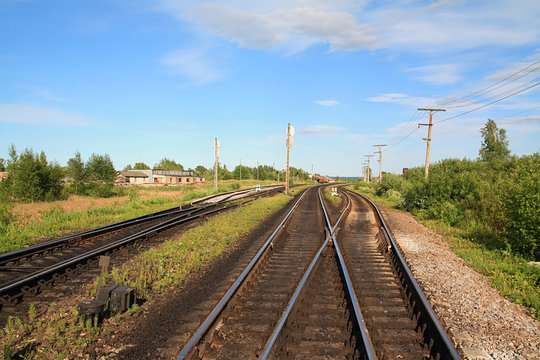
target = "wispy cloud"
x: 405, y: 99
x: 440, y: 27
x: 522, y: 119
x: 291, y: 25
x: 522, y: 68
x: 319, y: 130
x: 327, y: 102
x: 193, y: 64
x: 37, y: 115
x: 45, y: 93
x: 440, y: 74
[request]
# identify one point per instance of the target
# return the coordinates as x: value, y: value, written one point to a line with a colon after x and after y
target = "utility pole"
x: 380, y: 160
x: 368, y: 172
x: 257, y: 171
x: 290, y: 144
x: 216, y: 162
x: 364, y: 167
x: 428, y: 139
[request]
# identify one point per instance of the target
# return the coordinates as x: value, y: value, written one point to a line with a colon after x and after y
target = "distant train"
x: 323, y: 180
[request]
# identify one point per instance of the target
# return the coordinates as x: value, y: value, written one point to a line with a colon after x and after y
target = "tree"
x: 494, y: 144
x: 75, y: 170
x: 100, y: 169
x: 141, y: 166
x: 2, y: 164
x: 168, y: 164
x: 128, y: 167
x: 32, y: 177
x: 200, y: 171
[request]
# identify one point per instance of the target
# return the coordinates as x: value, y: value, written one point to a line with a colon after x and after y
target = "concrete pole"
x: 216, y: 162
x: 380, y: 160
x: 368, y: 172
x: 288, y: 149
x: 428, y: 139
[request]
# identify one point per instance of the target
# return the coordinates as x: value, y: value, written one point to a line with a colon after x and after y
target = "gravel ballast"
x: 482, y: 324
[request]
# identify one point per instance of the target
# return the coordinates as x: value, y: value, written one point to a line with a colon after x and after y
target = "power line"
x: 490, y: 103
x: 496, y: 83
x: 496, y: 95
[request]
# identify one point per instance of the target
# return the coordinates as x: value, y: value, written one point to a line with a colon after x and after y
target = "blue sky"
x: 142, y: 80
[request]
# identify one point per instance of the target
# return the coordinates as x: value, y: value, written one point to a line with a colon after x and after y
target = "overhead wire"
x: 476, y: 93
x: 410, y: 129
x: 490, y: 103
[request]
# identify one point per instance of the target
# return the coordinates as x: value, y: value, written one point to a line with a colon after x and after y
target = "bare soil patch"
x: 27, y: 213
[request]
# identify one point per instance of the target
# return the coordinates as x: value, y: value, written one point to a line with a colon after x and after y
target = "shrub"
x: 521, y: 205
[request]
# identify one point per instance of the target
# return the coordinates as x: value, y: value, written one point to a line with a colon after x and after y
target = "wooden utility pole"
x: 368, y: 172
x: 216, y: 162
x: 428, y: 139
x: 380, y: 160
x: 290, y: 143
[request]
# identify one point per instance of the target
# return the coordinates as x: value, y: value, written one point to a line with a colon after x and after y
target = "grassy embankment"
x: 32, y: 221
x: 327, y: 193
x: 60, y: 334
x: 510, y: 274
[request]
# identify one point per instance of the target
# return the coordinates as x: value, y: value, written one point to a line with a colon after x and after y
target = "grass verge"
x: 511, y: 275
x: 58, y: 221
x: 60, y: 334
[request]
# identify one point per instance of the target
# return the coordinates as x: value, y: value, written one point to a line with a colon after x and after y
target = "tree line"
x: 33, y: 178
x: 495, y: 198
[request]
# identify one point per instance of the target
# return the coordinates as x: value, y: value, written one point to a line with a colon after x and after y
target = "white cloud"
x: 405, y: 99
x: 440, y: 74
x: 319, y: 130
x: 194, y: 64
x: 522, y: 119
x: 36, y: 115
x: 327, y: 102
x: 294, y: 26
x: 441, y: 27
x: 452, y: 26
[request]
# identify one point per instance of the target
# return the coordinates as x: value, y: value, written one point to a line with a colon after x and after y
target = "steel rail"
x: 32, y: 250
x: 16, y: 255
x: 26, y: 279
x: 232, y: 193
x: 366, y: 339
x: 444, y: 346
x: 271, y: 342
x: 190, y: 347
x: 11, y: 286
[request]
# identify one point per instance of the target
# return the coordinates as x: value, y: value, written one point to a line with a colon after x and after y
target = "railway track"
x: 27, y: 272
x: 309, y: 293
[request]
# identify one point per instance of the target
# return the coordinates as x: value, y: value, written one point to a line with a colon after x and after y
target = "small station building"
x: 158, y: 177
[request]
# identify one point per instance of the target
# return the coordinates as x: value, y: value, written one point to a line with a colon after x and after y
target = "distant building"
x: 131, y: 177
x: 405, y: 170
x: 3, y: 175
x: 157, y: 176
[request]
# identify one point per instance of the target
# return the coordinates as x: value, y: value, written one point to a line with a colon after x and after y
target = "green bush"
x: 497, y: 201
x: 521, y: 205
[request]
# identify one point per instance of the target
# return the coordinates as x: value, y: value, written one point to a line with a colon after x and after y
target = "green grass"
x: 170, y: 263
x: 57, y: 222
x: 60, y: 333
x: 327, y: 193
x: 511, y: 275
